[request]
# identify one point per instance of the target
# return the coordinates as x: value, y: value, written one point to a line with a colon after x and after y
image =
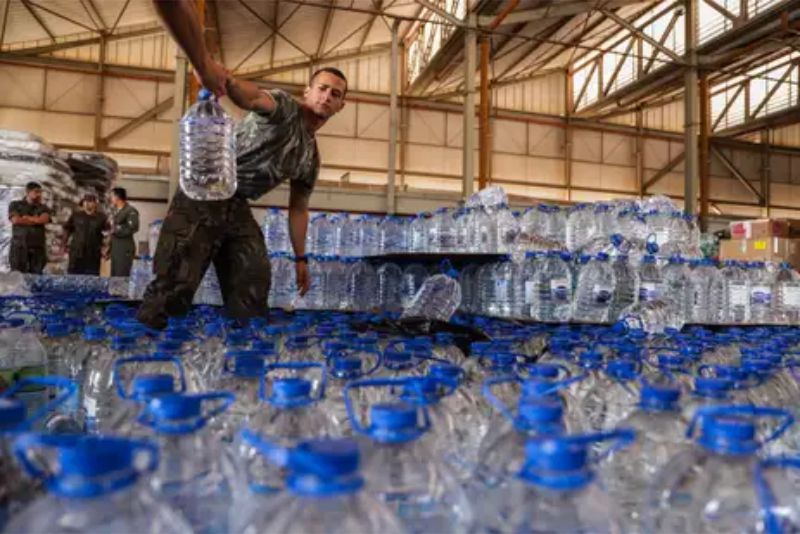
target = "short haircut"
x: 120, y: 192
x: 330, y: 70
x: 32, y: 186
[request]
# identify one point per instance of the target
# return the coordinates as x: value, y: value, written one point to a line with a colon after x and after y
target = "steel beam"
x: 325, y: 29
x: 728, y: 164
x: 433, y: 8
x: 378, y: 49
x: 468, y: 172
x: 134, y: 123
x: 120, y: 15
x: 269, y: 25
x: 60, y: 16
x: 394, y: 89
x: 4, y: 22
x: 674, y: 162
x: 38, y: 20
x: 100, y: 95
x: 97, y: 14
x: 557, y: 10
x: 122, y: 33
x: 635, y: 31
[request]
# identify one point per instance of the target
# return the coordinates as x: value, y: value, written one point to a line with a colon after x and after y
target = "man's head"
x: 119, y: 196
x: 33, y: 192
x: 89, y: 203
x: 325, y: 93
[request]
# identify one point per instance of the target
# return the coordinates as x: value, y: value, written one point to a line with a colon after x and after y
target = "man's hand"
x: 302, y: 277
x: 214, y: 77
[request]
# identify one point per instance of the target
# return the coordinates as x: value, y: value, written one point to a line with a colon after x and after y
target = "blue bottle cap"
x: 659, y: 398
x: 57, y: 329
x: 94, y: 333
x: 245, y: 363
x: 121, y: 343
x: 288, y: 392
x: 712, y: 387
x: 204, y: 94
x: 538, y: 412
x: 175, y: 406
x: 12, y: 413
x: 145, y: 386
x: 394, y: 422
x: 544, y: 370
x: 728, y: 435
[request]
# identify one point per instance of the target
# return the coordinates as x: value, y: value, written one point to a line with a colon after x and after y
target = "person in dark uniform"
x: 28, y: 219
x: 125, y: 224
x: 85, y: 228
x: 275, y: 143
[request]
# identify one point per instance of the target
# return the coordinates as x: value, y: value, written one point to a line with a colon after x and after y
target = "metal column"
x: 484, y: 135
x: 469, y: 107
x: 100, y: 95
x: 704, y: 156
x: 691, y: 112
x: 394, y: 67
x: 178, y: 109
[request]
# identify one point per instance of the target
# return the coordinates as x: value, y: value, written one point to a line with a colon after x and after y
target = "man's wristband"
x: 299, y: 259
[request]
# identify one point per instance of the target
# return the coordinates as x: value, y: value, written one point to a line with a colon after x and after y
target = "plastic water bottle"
x: 504, y: 280
x: 418, y: 233
x: 369, y: 236
x: 141, y: 275
x: 678, y: 289
x: 153, y: 233
x: 437, y: 299
x: 191, y: 475
x: 390, y: 277
x: 722, y: 468
x: 324, y: 486
x: 23, y: 356
x: 276, y: 231
x: 761, y: 294
x: 626, y: 292
x: 736, y: 287
x: 611, y: 398
x: 283, y: 289
x: 94, y: 484
x: 556, y: 490
x: 651, y: 282
x: 594, y: 290
x: 413, y: 276
x: 701, y: 280
x: 361, y: 286
x: 404, y: 473
x: 549, y: 292
x: 489, y: 197
x: 483, y: 232
x: 392, y: 234
x: 207, y: 151
x: 660, y: 435
x: 241, y: 375
x: 98, y: 394
x: 507, y: 228
x: 708, y: 392
x: 577, y: 233
x: 321, y: 233
x: 787, y: 294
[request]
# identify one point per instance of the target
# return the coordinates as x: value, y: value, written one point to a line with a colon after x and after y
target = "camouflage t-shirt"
x: 274, y: 147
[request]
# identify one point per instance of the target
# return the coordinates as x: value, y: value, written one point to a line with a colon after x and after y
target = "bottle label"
x: 501, y: 289
x: 737, y: 295
x: 761, y: 295
x: 530, y: 288
x: 791, y: 297
x: 648, y: 291
x: 559, y: 289
x: 601, y: 294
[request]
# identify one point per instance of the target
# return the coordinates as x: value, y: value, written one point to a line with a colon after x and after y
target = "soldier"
x: 28, y: 219
x: 86, y: 228
x: 125, y: 225
x: 275, y: 143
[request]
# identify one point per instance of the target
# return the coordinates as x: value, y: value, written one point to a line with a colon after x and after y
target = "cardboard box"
x: 763, y: 228
x: 774, y: 249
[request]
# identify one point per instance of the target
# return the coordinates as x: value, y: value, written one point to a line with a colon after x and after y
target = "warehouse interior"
x: 566, y: 101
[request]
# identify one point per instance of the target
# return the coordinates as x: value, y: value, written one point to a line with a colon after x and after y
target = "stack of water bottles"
x: 314, y: 422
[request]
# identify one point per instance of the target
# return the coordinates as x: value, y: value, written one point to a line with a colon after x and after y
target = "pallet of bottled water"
x: 308, y: 422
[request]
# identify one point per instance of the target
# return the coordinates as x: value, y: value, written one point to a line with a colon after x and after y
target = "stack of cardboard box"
x: 772, y: 240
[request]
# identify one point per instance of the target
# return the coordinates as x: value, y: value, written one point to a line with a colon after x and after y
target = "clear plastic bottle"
x: 611, y: 398
x: 594, y: 290
x: 390, y: 277
x: 392, y: 235
x: 556, y: 490
x: 651, y: 281
x: 95, y: 484
x: 550, y: 291
x: 418, y: 233
x: 207, y: 151
x: 505, y: 292
x: 362, y: 286
x: 787, y: 295
x: 322, y: 234
x: 736, y: 291
x: 507, y: 227
x: 348, y: 239
x: 276, y: 230
x: 22, y: 356
x: 282, y: 290
x: 413, y: 277
x: 762, y: 283
x: 678, y: 290
x: 578, y: 227
x: 626, y: 292
x: 336, y: 284
x: 437, y: 299
x: 701, y: 280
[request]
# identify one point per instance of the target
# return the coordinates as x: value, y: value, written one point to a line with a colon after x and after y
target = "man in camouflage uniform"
x: 275, y: 143
x: 125, y: 225
x: 28, y: 219
x: 83, y: 235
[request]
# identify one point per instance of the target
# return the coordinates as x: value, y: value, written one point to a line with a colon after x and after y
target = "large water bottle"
x: 192, y: 476
x: 98, y: 394
x: 207, y: 151
x: 362, y: 286
x: 504, y: 277
x: 322, y: 234
x: 23, y: 356
x: 549, y: 292
x: 413, y: 276
x: 626, y: 292
x: 483, y: 232
x: 736, y: 288
x: 507, y: 227
x: 717, y: 485
x: 369, y: 235
x: 390, y: 289
x: 762, y: 283
x: 660, y: 435
x: 282, y: 290
x: 94, y: 484
x: 241, y: 375
x: 677, y: 285
x: 324, y: 487
x: 787, y: 295
x: 403, y: 470
x: 141, y: 275
x: 556, y: 490
x: 594, y: 290
x: 437, y: 299
x: 611, y: 398
x: 392, y: 235
x: 651, y: 281
x: 578, y: 226
x: 701, y: 280
x: 276, y: 231
x: 153, y: 233
x: 418, y: 233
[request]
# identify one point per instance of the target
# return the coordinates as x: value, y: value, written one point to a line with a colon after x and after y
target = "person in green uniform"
x: 28, y: 219
x: 125, y: 224
x: 275, y: 144
x: 83, y: 235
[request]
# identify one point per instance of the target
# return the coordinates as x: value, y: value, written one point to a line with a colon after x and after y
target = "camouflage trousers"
x: 194, y: 234
x: 26, y: 259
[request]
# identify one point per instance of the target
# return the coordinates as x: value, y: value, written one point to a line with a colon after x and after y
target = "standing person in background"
x: 28, y: 219
x: 85, y: 226
x: 125, y: 225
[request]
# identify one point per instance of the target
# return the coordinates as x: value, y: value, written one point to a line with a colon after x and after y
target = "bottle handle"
x: 117, y: 379
x: 67, y: 387
x: 274, y: 453
x: 486, y: 391
x: 754, y: 411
